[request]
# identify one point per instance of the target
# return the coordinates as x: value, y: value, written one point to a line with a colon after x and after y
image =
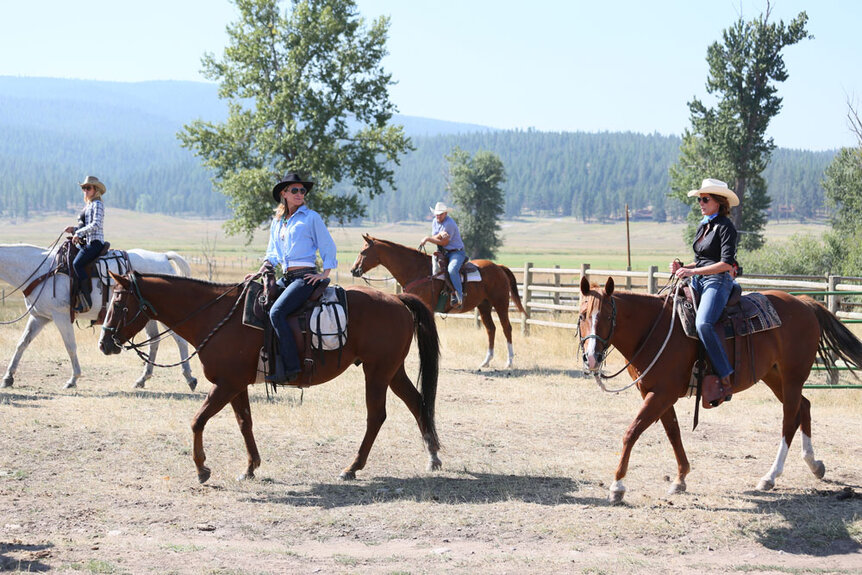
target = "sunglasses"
x: 703, y: 199
x: 302, y: 191
x: 87, y: 188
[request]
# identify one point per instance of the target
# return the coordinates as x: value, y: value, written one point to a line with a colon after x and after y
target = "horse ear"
x: 609, y: 286
x: 119, y: 279
x: 585, y: 285
x: 368, y: 238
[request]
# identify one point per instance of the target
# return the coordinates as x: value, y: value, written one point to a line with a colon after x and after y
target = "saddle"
x: 439, y: 270
x: 744, y: 315
x: 305, y: 323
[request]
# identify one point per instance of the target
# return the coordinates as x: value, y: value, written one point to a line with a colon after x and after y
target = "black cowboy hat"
x: 289, y: 178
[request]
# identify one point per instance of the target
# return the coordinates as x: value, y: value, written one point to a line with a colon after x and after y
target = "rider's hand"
x: 675, y: 265
x: 69, y: 230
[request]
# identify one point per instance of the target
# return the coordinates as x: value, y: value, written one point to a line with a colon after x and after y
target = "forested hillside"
x: 54, y: 132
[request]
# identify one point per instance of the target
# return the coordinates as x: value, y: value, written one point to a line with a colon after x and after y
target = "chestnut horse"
x: 209, y: 316
x: 412, y: 269
x: 637, y: 325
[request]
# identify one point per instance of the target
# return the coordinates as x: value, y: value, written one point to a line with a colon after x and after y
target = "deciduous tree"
x: 307, y: 92
x: 474, y: 183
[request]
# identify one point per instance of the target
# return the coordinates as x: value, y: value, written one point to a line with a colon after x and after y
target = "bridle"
x: 364, y: 277
x: 599, y: 375
x: 146, y: 308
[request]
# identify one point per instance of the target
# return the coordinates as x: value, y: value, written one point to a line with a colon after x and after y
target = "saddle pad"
x: 754, y: 313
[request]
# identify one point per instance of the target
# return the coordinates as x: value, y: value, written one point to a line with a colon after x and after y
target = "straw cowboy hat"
x: 94, y: 181
x: 290, y: 178
x: 716, y: 188
x: 440, y: 208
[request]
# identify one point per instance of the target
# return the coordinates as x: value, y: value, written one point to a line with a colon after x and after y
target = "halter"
x: 604, y: 341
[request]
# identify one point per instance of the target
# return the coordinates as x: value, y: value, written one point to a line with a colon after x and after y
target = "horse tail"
x: 429, y: 358
x: 835, y: 338
x: 180, y: 264
x: 513, y: 289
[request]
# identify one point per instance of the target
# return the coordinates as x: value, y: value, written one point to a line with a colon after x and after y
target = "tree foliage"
x: 307, y: 92
x: 474, y: 184
x: 728, y: 141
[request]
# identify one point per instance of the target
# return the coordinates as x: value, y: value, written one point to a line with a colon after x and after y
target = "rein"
x: 144, y: 304
x: 599, y: 376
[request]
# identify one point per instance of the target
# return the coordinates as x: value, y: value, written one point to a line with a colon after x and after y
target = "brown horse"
x: 782, y: 359
x: 207, y: 316
x: 412, y: 269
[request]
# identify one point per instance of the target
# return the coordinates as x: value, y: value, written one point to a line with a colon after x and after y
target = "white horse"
x: 20, y: 264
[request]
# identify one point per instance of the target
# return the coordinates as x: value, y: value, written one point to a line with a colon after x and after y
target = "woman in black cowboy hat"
x: 89, y: 235
x: 296, y: 234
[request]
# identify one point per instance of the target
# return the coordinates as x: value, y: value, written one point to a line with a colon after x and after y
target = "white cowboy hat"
x: 440, y: 208
x: 716, y: 188
x: 94, y: 181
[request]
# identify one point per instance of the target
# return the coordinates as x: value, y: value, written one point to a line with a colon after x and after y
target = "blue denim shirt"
x: 295, y: 240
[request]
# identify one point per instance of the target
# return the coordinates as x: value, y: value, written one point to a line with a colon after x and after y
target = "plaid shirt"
x: 93, y: 224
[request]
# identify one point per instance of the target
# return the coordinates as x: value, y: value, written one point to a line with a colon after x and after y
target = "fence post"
x: 832, y: 301
x: 652, y: 281
x: 557, y: 292
x: 628, y: 279
x: 528, y: 277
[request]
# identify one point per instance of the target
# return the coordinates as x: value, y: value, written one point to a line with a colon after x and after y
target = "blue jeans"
x: 714, y: 291
x: 85, y: 255
x: 456, y: 260
x: 291, y: 299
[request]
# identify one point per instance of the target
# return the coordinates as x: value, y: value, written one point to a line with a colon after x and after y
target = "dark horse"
x: 782, y: 359
x: 208, y: 315
x: 412, y: 269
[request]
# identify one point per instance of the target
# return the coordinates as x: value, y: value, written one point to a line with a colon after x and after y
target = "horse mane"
x: 400, y: 247
x: 198, y: 281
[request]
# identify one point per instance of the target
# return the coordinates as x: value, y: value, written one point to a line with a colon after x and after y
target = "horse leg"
x: 31, y: 330
x: 671, y: 429
x: 404, y: 388
x: 652, y: 409
x: 485, y: 313
x: 183, y: 348
x: 152, y: 330
x: 503, y: 313
x: 67, y: 332
x: 791, y: 401
x: 216, y: 399
x: 376, y: 384
x: 242, y: 411
x: 816, y: 466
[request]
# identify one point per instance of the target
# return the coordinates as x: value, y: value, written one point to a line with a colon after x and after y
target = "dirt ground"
x: 99, y: 479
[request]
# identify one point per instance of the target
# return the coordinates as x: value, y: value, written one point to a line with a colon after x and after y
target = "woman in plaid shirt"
x: 89, y: 235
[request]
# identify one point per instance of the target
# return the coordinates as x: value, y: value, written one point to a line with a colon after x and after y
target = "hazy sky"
x: 626, y: 65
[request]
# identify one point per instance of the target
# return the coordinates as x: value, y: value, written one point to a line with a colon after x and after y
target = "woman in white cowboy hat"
x: 296, y: 234
x: 89, y: 235
x: 446, y: 235
x: 714, y: 258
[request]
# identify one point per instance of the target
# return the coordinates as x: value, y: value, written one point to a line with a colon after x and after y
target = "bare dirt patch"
x: 100, y: 479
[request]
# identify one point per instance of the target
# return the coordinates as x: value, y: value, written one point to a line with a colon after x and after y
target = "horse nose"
x: 356, y: 272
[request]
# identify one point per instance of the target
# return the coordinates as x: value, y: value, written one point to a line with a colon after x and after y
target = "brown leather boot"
x: 715, y: 391
x: 726, y: 388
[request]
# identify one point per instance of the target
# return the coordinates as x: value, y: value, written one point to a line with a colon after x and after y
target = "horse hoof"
x: 347, y: 475
x: 244, y: 476
x: 616, y: 497
x: 203, y: 474
x: 139, y: 384
x: 820, y: 470
x: 70, y: 384
x: 678, y: 487
x: 193, y: 383
x: 765, y: 485
x: 435, y: 465
x: 8, y: 381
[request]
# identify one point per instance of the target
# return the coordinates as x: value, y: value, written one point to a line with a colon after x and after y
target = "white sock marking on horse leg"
x: 511, y: 354
x: 488, y: 357
x: 778, y: 466
x: 808, y: 453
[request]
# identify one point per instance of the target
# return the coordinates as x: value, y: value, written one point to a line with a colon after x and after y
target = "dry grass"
x: 100, y: 478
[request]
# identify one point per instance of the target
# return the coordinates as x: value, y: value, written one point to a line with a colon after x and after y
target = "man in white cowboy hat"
x: 714, y: 258
x: 89, y: 234
x: 446, y: 235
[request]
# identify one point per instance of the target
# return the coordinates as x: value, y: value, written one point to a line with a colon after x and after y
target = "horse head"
x: 127, y: 314
x: 367, y: 259
x: 596, y: 323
